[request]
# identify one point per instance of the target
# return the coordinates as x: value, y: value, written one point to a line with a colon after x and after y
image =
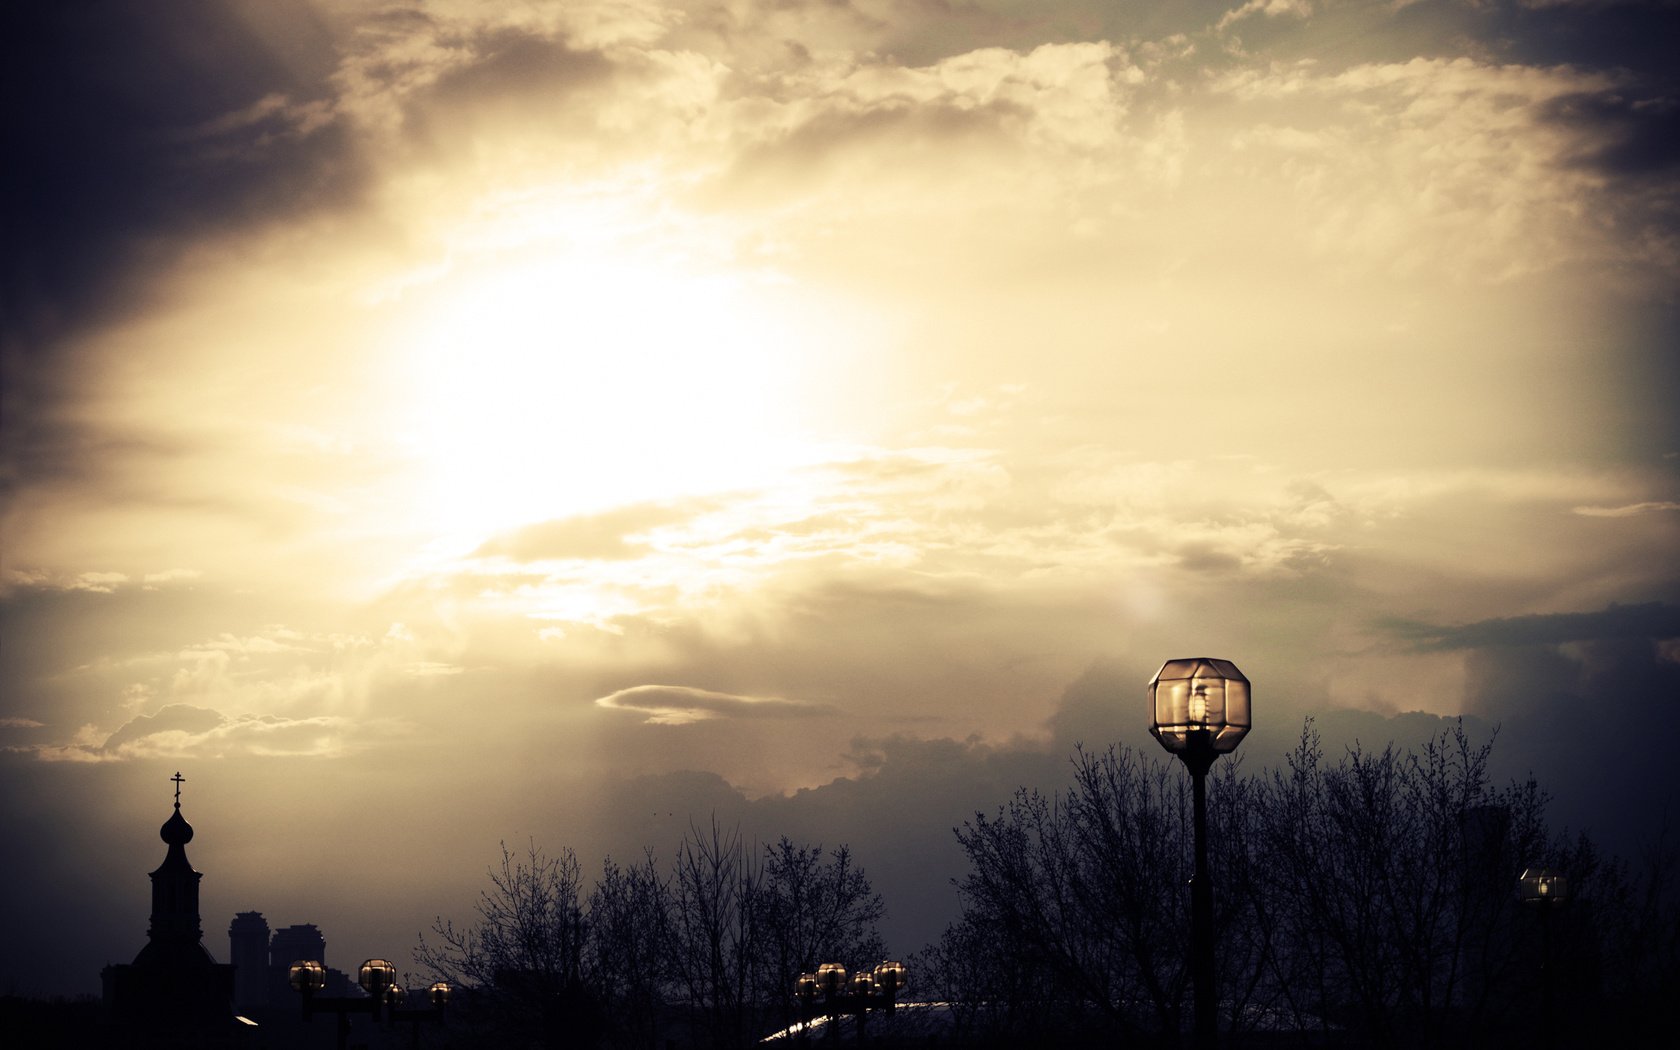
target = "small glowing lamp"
x: 891, y: 978
x: 831, y: 978
x: 1542, y: 887
x: 376, y: 975
x: 306, y: 976
x: 805, y: 988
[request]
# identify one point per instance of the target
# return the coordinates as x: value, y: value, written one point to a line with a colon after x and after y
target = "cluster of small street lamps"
x: 865, y: 990
x: 378, y: 979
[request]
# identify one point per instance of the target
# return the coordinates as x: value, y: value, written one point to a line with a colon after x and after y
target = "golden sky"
x: 430, y: 423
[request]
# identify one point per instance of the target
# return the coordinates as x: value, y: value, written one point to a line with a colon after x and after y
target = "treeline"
x: 701, y: 953
x: 1365, y: 902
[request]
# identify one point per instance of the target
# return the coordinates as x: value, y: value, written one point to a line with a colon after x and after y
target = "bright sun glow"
x: 575, y: 385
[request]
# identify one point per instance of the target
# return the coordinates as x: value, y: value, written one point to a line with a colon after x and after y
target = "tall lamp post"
x: 1200, y: 708
x: 1545, y: 890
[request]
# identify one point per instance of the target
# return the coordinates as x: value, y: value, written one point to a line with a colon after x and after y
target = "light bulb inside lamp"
x: 1198, y: 705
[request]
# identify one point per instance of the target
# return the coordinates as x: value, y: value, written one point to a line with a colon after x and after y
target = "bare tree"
x: 1396, y: 920
x: 714, y: 938
x: 812, y: 910
x: 630, y: 928
x: 1087, y: 888
x: 522, y: 960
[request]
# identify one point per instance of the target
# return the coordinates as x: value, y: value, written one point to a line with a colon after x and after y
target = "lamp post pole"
x: 1545, y: 891
x: 1200, y: 708
x: 1198, y: 758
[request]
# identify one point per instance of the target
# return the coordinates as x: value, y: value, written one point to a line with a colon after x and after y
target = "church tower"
x: 175, y: 935
x: 174, y: 987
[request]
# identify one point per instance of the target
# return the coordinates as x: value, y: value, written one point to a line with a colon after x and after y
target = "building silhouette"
x: 264, y: 962
x: 248, y: 951
x: 174, y: 992
x: 297, y: 942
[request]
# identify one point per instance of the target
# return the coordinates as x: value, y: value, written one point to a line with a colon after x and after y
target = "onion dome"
x: 176, y: 831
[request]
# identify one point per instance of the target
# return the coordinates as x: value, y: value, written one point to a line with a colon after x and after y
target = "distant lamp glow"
x: 1542, y: 887
x: 306, y: 976
x: 438, y: 993
x: 375, y: 976
x: 395, y: 994
x: 1197, y: 700
x: 863, y: 983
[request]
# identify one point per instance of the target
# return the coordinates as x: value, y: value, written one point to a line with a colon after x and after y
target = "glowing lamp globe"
x: 805, y: 988
x: 375, y: 976
x: 1199, y: 704
x: 891, y: 977
x: 1542, y: 887
x: 831, y: 978
x: 438, y: 993
x: 306, y: 976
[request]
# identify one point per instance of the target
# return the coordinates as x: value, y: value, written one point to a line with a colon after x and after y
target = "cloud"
x: 1629, y: 137
x: 678, y: 705
x: 1652, y: 620
x: 182, y: 731
x: 1268, y: 8
x: 119, y: 116
x: 181, y: 718
x: 607, y: 535
x: 1627, y: 510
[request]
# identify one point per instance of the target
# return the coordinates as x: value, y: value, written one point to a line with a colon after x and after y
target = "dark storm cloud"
x: 131, y: 129
x: 1647, y: 620
x: 1567, y: 694
x: 1634, y: 36
x: 1638, y: 137
x: 123, y: 128
x: 896, y: 812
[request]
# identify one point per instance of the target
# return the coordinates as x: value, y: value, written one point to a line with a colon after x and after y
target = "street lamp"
x: 806, y: 990
x: 1545, y: 890
x: 1200, y: 708
x: 890, y: 979
x: 378, y: 978
x: 867, y: 990
x: 1542, y: 888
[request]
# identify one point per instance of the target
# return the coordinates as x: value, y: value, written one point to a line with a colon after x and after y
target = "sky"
x: 434, y: 424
